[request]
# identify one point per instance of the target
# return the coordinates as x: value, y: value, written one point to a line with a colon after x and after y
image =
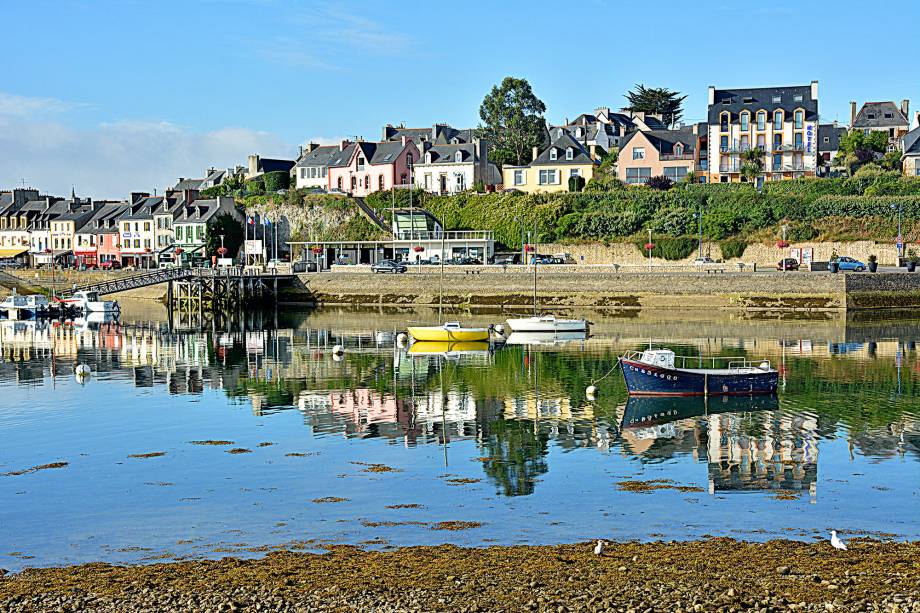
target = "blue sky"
x: 117, y: 95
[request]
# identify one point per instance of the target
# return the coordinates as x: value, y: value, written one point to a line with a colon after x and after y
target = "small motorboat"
x: 452, y: 331
x: 659, y: 372
x: 89, y: 302
x: 547, y: 323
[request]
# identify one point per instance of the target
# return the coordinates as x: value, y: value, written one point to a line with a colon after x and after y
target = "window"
x: 354, y: 183
x: 777, y: 99
x: 569, y: 153
x: 303, y: 173
x: 324, y: 172
x: 799, y: 119
x: 638, y: 153
x: 360, y: 162
x: 458, y: 157
x: 678, y: 149
x: 427, y: 181
x: 799, y: 144
x: 575, y: 172
x: 827, y: 139
x: 553, y: 154
x: 777, y: 120
x: 519, y: 177
x: 761, y: 120
x: 367, y: 182
x: 777, y: 161
x: 199, y: 232
x: 635, y: 176
x: 676, y: 173
x: 380, y: 181
x: 888, y: 116
x: 745, y: 121
x: 761, y: 142
x: 340, y: 183
x: 797, y: 98
x: 870, y: 115
x: 745, y: 142
x: 409, y: 160
x: 777, y: 141
x: 548, y: 177
x: 723, y: 143
x: 724, y: 119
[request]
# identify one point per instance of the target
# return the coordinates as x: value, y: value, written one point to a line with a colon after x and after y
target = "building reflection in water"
x: 378, y: 391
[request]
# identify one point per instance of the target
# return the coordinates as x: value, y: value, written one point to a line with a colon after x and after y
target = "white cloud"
x: 111, y: 159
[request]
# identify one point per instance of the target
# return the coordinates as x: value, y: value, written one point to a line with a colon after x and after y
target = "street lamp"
x: 900, y: 243
x: 699, y: 218
x: 517, y: 220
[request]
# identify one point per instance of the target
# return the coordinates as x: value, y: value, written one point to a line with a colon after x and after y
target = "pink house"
x: 364, y: 167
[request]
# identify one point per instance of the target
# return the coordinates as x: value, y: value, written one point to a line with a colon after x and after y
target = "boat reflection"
x: 545, y: 338
x: 449, y: 349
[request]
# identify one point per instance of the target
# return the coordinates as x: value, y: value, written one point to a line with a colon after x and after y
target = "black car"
x: 464, y: 261
x: 788, y: 264
x: 389, y: 266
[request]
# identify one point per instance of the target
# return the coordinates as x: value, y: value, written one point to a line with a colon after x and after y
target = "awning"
x: 12, y: 252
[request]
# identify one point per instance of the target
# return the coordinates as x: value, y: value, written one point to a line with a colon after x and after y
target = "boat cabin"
x: 663, y: 358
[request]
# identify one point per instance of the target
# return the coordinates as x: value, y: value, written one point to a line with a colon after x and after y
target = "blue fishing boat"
x: 659, y: 372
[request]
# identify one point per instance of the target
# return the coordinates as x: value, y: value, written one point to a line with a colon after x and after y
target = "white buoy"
x: 81, y: 373
x: 401, y: 339
x: 338, y: 350
x: 500, y: 328
x: 591, y: 391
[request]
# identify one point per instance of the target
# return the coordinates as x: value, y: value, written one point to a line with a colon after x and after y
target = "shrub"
x: 274, y: 181
x: 609, y: 224
x: 661, y: 183
x: 255, y: 186
x: 576, y: 183
x: 801, y: 232
x: 732, y: 249
x: 668, y: 248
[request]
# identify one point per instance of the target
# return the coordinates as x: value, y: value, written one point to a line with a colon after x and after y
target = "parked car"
x: 788, y: 264
x: 110, y: 265
x: 11, y: 264
x: 704, y: 260
x: 846, y: 263
x: 464, y: 261
x: 391, y: 266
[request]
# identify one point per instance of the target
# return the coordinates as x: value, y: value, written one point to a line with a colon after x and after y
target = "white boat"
x: 545, y: 338
x: 19, y: 306
x: 547, y: 323
x: 89, y: 302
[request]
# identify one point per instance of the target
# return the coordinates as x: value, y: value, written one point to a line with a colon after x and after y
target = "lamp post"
x: 783, y: 255
x: 517, y: 220
x: 699, y: 219
x: 900, y: 243
x: 649, y: 245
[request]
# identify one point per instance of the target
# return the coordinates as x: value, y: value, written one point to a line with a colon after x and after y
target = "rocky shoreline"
x: 712, y: 575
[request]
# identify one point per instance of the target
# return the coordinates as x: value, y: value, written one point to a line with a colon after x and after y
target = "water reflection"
x: 513, y: 417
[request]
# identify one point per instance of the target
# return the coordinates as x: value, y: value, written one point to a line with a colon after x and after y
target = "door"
x: 442, y: 183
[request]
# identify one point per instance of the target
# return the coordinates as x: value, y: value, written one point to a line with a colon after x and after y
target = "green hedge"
x: 732, y: 249
x: 273, y: 181
x: 669, y: 248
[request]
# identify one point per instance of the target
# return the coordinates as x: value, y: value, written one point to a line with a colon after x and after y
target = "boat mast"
x: 534, y: 268
x: 441, y: 281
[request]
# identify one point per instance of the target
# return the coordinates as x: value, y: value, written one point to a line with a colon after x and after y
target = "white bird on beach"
x: 836, y: 543
x: 599, y: 548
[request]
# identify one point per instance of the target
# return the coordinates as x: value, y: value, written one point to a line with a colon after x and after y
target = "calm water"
x: 505, y: 438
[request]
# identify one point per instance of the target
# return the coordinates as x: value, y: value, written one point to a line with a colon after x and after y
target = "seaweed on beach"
x: 152, y: 454
x: 26, y: 471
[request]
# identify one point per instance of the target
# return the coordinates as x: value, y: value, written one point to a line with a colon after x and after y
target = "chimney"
x: 253, y: 164
x: 696, y: 129
x: 592, y: 151
x: 536, y: 152
x: 135, y: 196
x: 852, y: 113
x: 905, y: 109
x: 311, y: 147
x: 344, y: 144
x: 404, y: 140
x: 299, y: 152
x: 712, y: 95
x: 917, y: 117
x: 388, y: 131
x: 814, y: 90
x: 190, y: 195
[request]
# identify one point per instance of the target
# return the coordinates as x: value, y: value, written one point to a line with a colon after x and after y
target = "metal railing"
x: 699, y: 362
x: 426, y: 235
x: 165, y: 275
x: 673, y: 156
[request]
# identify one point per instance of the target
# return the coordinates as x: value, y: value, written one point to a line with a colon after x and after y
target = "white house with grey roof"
x: 882, y: 117
x: 453, y: 168
x: 312, y: 168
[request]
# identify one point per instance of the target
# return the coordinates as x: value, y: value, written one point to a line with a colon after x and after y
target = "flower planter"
x: 833, y: 267
x: 873, y: 266
x: 911, y: 266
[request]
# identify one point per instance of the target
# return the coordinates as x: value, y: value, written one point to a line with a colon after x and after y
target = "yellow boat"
x: 452, y: 331
x: 448, y: 348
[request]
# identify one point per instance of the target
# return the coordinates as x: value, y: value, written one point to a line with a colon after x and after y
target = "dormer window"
x: 455, y: 141
x: 458, y: 157
x: 745, y: 121
x: 870, y: 115
x: 797, y: 98
x: 777, y: 120
x: 678, y: 149
x: 777, y: 99
x: 888, y: 115
x: 428, y: 158
x: 569, y: 154
x: 553, y: 154
x: 578, y: 132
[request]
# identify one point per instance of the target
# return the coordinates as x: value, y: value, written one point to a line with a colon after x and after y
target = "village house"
x: 438, y: 134
x: 14, y: 223
x: 258, y: 166
x: 910, y: 149
x: 781, y: 123
x: 96, y: 241
x: 191, y: 225
x: 361, y: 168
x: 450, y: 169
x: 829, y: 135
x: 882, y: 117
x: 554, y: 169
x: 312, y: 168
x: 674, y: 154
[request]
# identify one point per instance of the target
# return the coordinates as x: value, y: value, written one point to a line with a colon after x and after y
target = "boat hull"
x: 541, y: 324
x: 448, y: 335
x: 444, y: 348
x: 646, y: 380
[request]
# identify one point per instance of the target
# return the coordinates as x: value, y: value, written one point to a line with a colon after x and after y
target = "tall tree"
x: 512, y: 121
x: 232, y: 230
x: 657, y: 100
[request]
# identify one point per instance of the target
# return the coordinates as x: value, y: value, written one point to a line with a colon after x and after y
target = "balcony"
x: 780, y: 147
x: 450, y: 235
x: 729, y: 168
x: 740, y: 148
x: 668, y: 157
x: 787, y: 167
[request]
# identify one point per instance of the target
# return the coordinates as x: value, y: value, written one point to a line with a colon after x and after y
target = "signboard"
x: 900, y: 244
x: 807, y: 256
x: 796, y: 254
x: 809, y: 133
x: 253, y: 247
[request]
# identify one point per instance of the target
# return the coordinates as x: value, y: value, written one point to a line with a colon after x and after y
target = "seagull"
x: 836, y: 542
x: 599, y: 548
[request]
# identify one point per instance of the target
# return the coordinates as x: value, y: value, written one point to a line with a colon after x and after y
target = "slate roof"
x: 832, y: 133
x: 199, y: 211
x: 446, y: 154
x: 911, y: 142
x: 146, y: 208
x: 665, y: 140
x: 880, y: 115
x: 188, y: 184
x: 267, y: 165
x: 215, y: 177
x: 562, y: 140
x: 755, y: 99
x: 438, y: 134
x: 6, y: 199
x: 321, y: 156
x: 104, y: 219
x: 341, y: 158
x: 375, y: 153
